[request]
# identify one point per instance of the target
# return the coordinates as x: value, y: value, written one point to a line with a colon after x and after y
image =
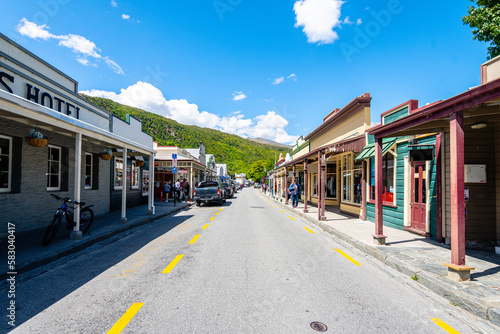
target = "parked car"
x: 228, y: 189
x: 209, y: 192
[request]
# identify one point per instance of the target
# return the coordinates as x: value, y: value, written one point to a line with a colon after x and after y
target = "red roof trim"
x: 470, y: 98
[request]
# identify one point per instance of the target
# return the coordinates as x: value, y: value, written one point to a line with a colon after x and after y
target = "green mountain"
x: 238, y: 153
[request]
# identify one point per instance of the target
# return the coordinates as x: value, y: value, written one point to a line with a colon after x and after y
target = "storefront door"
x: 418, y: 196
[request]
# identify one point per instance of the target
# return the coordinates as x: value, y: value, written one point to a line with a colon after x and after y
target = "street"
x: 244, y: 267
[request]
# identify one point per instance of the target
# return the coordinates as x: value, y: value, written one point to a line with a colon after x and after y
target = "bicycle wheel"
x: 86, y: 219
x: 51, y: 230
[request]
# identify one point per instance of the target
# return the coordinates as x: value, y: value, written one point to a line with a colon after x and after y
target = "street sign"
x: 174, y: 170
x: 174, y: 156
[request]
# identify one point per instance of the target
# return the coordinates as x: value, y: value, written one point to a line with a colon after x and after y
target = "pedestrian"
x: 295, y: 191
x: 177, y: 191
x: 186, y: 190
x: 167, y: 191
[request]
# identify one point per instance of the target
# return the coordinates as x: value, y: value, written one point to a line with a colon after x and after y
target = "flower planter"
x: 140, y: 163
x: 105, y: 156
x: 36, y: 142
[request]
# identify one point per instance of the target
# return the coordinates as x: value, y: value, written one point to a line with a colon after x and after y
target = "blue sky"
x: 269, y: 69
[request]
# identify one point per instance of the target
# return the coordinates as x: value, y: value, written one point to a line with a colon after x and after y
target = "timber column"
x: 323, y: 185
x: 378, y: 237
x: 318, y: 184
x: 306, y: 176
x: 286, y: 186
x: 457, y: 270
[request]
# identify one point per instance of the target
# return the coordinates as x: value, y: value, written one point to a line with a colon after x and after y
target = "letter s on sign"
x: 9, y: 77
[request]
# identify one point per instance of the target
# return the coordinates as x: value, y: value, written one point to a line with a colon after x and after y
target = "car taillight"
x: 194, y: 192
x: 218, y: 192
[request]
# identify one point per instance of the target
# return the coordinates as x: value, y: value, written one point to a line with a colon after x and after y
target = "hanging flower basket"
x: 36, y: 142
x: 36, y: 138
x: 105, y: 156
x: 140, y: 163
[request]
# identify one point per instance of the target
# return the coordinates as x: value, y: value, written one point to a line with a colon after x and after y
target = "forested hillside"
x: 238, y: 153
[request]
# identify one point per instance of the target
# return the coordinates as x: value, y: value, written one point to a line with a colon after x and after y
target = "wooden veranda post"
x: 378, y: 237
x: 457, y: 270
x: 306, y: 176
x: 323, y: 185
x: 318, y: 184
x: 286, y: 186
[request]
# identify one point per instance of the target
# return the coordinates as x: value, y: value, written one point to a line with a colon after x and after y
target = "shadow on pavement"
x: 36, y: 292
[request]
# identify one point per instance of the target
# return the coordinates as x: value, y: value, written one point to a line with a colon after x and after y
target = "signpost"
x: 174, y: 170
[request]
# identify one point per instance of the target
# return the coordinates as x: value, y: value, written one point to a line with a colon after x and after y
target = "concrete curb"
x: 447, y: 289
x: 56, y: 255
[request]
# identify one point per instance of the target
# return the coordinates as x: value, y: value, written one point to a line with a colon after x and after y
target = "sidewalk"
x: 31, y: 254
x: 412, y: 255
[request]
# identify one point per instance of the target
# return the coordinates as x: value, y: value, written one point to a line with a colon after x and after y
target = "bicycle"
x: 86, y: 219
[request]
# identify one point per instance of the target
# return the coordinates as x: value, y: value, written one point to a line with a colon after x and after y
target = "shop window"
x: 388, y: 190
x: 5, y: 164
x: 54, y: 169
x: 145, y: 182
x: 88, y: 170
x: 331, y: 181
x: 357, y: 182
x: 136, y: 173
x: 118, y: 174
x: 347, y: 178
x: 315, y: 185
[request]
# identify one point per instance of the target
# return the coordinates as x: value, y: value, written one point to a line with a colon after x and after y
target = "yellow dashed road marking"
x: 172, y: 264
x: 194, y: 239
x: 205, y: 227
x: 348, y: 257
x: 444, y: 326
x: 212, y: 218
x: 308, y: 229
x: 125, y: 319
x: 291, y: 218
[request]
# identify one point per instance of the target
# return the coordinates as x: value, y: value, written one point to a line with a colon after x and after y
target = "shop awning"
x: 369, y: 150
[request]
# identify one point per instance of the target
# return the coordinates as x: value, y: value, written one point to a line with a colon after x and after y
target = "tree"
x: 485, y: 21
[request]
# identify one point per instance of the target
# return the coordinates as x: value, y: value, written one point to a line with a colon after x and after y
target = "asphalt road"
x: 252, y: 269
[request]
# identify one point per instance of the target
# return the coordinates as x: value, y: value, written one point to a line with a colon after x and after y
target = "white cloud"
x: 85, y: 62
x: 359, y: 22
x: 238, y: 96
x: 318, y: 18
x: 125, y: 16
x: 145, y: 96
x: 32, y: 30
x: 113, y: 3
x: 292, y: 76
x: 78, y: 44
x: 277, y: 81
x: 347, y: 20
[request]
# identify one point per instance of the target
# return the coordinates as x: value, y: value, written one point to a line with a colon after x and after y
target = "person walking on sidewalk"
x: 167, y: 191
x: 185, y: 188
x: 295, y: 191
x: 177, y: 191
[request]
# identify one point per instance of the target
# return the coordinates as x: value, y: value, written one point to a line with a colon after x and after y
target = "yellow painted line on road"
x: 275, y: 206
x: 221, y: 209
x: 125, y: 319
x: 172, y: 264
x: 194, y: 239
x: 205, y: 227
x: 291, y: 217
x: 212, y: 218
x: 444, y: 326
x: 282, y: 211
x: 308, y: 229
x: 348, y: 257
x: 217, y: 213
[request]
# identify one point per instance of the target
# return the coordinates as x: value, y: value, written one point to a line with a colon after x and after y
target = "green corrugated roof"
x: 369, y: 150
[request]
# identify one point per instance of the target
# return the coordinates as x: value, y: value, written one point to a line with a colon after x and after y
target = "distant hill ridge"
x: 270, y: 142
x: 237, y: 152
